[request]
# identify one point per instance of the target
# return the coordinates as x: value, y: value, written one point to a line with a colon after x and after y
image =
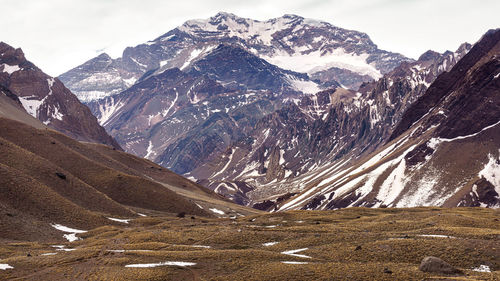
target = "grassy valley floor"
x: 347, y: 244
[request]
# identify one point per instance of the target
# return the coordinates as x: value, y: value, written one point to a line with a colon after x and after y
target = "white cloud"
x: 60, y: 34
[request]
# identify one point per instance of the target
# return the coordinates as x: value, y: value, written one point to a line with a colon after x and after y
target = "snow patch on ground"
x: 149, y: 150
x: 201, y: 246
x: 436, y: 236
x: 71, y: 237
x: 31, y: 105
x: 72, y: 232
x: 482, y: 268
x: 124, y: 251
x: 4, y: 266
x: 107, y: 109
x: 130, y: 81
x: 10, y: 68
x: 293, y: 253
x: 172, y: 263
x: 227, y: 164
x: 119, y: 220
x: 67, y: 229
x: 317, y: 61
x: 217, y: 211
x: 62, y: 248
x: 195, y: 54
x: 269, y: 244
x: 307, y: 87
x: 491, y: 171
x: 394, y: 183
x: 294, y: 262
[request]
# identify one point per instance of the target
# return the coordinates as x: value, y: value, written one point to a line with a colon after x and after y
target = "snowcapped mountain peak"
x: 228, y: 24
x: 325, y: 52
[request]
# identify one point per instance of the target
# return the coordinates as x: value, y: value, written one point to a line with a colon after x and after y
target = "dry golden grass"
x: 348, y: 244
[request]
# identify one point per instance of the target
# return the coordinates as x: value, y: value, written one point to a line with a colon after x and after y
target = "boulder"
x: 437, y: 265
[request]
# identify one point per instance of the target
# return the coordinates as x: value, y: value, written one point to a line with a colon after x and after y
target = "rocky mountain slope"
x: 325, y: 52
x: 184, y: 118
x: 444, y: 151
x: 233, y: 71
x: 47, y: 99
x: 337, y: 125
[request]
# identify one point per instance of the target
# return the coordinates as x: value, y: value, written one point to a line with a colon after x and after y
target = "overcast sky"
x: 58, y: 35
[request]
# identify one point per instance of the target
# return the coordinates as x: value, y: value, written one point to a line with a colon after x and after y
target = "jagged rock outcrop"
x: 47, y: 99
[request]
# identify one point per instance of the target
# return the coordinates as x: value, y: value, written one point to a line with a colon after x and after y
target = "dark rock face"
x: 437, y: 265
x: 349, y: 79
x: 184, y: 119
x: 46, y: 98
x: 315, y: 202
x: 243, y: 70
x: 418, y: 155
x: 264, y: 206
x: 482, y: 193
x: 61, y: 175
x: 474, y: 94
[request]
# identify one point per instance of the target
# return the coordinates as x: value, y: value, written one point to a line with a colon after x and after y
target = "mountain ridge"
x: 179, y: 46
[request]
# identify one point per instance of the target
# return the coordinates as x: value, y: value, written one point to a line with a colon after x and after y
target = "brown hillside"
x: 72, y: 188
x: 123, y: 188
x: 22, y: 194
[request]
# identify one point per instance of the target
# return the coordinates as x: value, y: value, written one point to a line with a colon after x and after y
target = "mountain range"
x: 206, y: 154
x: 326, y: 52
x: 61, y: 171
x: 231, y: 80
x: 259, y: 111
x: 286, y: 113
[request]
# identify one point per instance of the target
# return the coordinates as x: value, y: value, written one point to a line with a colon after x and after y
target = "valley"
x: 348, y: 244
x: 230, y: 148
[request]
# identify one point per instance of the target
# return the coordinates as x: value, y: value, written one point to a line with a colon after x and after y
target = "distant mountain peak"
x: 291, y: 42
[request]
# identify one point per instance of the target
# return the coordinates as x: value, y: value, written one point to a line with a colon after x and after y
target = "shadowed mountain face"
x: 184, y: 118
x: 47, y: 99
x: 444, y: 151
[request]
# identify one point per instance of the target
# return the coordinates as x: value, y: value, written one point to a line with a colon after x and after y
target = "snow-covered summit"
x: 320, y: 49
